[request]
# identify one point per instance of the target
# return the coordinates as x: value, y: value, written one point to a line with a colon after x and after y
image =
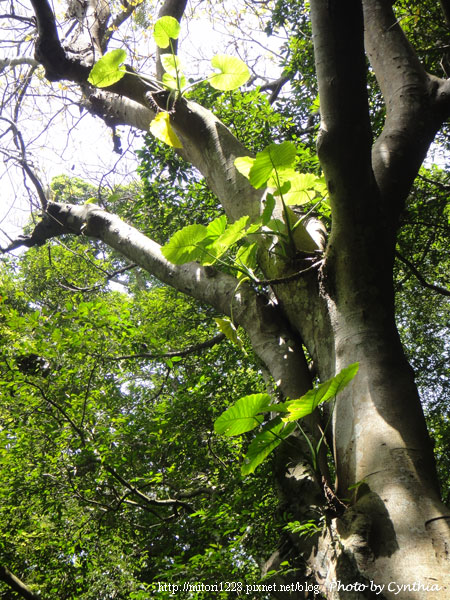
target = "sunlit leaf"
x: 108, y: 69
x: 264, y: 442
x: 173, y: 83
x: 246, y: 257
x: 171, y: 64
x: 166, y: 28
x: 323, y: 393
x: 302, y: 186
x: 243, y: 164
x: 243, y: 416
x: 273, y: 157
x: 184, y: 246
x: 217, y: 227
x: 161, y: 128
x: 315, y: 106
x: 230, y: 236
x: 227, y: 327
x: 233, y: 72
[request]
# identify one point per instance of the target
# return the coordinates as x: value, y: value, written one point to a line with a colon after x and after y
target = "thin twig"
x: 420, y: 278
x: 190, y: 350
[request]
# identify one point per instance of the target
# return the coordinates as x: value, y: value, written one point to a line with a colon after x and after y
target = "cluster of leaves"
x: 249, y: 412
x: 173, y: 189
x: 109, y: 69
x: 272, y: 168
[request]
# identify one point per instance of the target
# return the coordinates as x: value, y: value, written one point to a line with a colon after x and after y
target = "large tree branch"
x: 345, y: 137
x: 271, y: 336
x: 344, y: 148
x: 17, y: 585
x: 416, y: 104
x: 207, y: 143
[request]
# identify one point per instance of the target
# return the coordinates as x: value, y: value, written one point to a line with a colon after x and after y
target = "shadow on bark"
x: 367, y: 528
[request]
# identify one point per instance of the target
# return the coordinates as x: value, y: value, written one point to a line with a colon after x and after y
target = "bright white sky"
x: 60, y: 142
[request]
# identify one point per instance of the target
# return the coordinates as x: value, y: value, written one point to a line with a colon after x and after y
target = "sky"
x: 60, y: 140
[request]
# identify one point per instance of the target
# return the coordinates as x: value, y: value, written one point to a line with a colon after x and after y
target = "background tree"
x: 111, y: 475
x: 383, y: 517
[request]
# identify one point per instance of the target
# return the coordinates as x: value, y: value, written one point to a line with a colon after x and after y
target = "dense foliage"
x: 111, y: 476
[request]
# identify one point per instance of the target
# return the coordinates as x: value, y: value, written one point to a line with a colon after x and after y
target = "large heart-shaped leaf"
x: 269, y: 160
x: 233, y: 72
x: 243, y: 416
x: 166, y: 28
x: 232, y: 234
x: 171, y: 64
x: 108, y: 69
x: 217, y: 227
x: 185, y: 245
x: 303, y: 186
x: 246, y: 256
x: 161, y: 128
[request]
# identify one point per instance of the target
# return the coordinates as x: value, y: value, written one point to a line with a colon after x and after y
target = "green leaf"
x: 323, y: 393
x: 184, y: 245
x: 233, y: 73
x: 217, y: 227
x: 272, y: 435
x: 246, y: 257
x: 166, y: 28
x: 230, y: 236
x: 269, y: 160
x: 268, y: 209
x: 243, y: 164
x: 173, y: 83
x: 303, y: 186
x: 315, y: 106
x: 161, y: 128
x: 227, y: 327
x: 108, y: 70
x: 241, y: 417
x: 171, y: 64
